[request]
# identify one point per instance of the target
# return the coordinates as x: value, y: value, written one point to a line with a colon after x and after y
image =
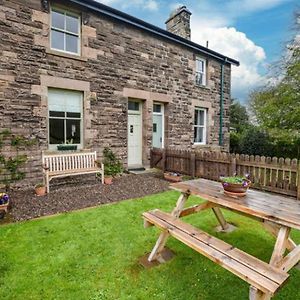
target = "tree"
x: 239, y: 117
x: 277, y: 107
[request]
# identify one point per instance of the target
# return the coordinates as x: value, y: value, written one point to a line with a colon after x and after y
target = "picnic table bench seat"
x: 259, y: 274
x: 56, y: 165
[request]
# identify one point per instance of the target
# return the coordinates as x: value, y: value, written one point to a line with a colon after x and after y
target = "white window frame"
x: 203, y: 72
x: 204, y: 126
x: 65, y: 12
x: 54, y: 146
x: 162, y: 113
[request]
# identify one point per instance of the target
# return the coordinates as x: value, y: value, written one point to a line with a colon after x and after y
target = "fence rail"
x: 276, y: 175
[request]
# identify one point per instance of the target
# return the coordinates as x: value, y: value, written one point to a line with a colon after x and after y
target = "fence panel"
x: 270, y: 174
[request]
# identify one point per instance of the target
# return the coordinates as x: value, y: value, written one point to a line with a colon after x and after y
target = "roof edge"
x: 121, y: 16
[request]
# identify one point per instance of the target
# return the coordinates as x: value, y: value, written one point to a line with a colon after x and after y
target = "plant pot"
x: 4, y: 202
x: 66, y: 147
x: 108, y: 180
x: 172, y: 177
x: 40, y: 191
x: 236, y: 189
x: 4, y: 206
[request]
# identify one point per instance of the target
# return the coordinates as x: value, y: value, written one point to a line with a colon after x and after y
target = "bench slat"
x: 245, y: 266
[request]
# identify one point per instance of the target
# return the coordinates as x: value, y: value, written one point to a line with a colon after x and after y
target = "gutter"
x: 221, y: 103
x: 123, y: 17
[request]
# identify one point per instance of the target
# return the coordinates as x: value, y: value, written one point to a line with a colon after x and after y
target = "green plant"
x: 112, y: 165
x: 234, y: 179
x: 10, y: 165
x: 39, y: 185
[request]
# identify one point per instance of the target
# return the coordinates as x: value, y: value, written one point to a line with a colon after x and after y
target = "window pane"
x: 199, y: 78
x: 73, y: 115
x: 201, y: 117
x: 58, y: 20
x: 59, y: 114
x: 56, y: 127
x: 71, y: 43
x: 133, y: 105
x: 157, y: 108
x: 154, y: 127
x: 198, y: 134
x: 73, y: 131
x: 57, y: 40
x: 72, y: 24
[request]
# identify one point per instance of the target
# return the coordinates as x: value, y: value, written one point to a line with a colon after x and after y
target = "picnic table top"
x: 282, y: 210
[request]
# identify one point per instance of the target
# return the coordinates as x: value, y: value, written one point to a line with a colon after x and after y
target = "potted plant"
x: 4, y: 201
x: 112, y: 165
x: 68, y: 146
x: 172, y: 177
x: 236, y: 185
x: 40, y: 189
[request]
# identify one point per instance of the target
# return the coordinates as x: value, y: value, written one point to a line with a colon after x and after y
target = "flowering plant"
x: 4, y: 198
x: 241, y: 180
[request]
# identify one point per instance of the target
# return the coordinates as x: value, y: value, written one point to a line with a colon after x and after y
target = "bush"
x: 112, y: 165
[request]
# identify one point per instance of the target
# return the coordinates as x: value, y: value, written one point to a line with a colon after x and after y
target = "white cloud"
x: 143, y: 4
x: 151, y: 5
x: 236, y: 45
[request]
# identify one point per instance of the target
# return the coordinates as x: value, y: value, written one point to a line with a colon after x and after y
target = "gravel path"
x: 78, y: 193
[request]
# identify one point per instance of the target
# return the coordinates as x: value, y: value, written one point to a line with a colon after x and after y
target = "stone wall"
x: 115, y: 58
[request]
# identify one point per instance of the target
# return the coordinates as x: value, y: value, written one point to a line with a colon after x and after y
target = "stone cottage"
x: 80, y: 72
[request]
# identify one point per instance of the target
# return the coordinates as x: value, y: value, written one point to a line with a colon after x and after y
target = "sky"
x: 253, y: 32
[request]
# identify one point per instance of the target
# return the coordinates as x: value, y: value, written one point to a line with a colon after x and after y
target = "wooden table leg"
x: 274, y: 230
x: 219, y: 215
x: 255, y: 294
x: 161, y: 242
x: 277, y: 260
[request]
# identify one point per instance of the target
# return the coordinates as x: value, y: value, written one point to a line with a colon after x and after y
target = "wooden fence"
x: 270, y: 174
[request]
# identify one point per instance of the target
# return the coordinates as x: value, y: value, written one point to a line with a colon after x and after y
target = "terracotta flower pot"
x: 40, y: 190
x: 172, y: 177
x: 108, y: 180
x: 236, y: 189
x: 4, y: 202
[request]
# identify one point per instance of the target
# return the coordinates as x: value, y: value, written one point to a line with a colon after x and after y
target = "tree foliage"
x: 277, y: 107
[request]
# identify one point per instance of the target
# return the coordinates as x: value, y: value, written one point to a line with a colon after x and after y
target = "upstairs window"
x: 65, y: 31
x: 200, y: 71
x: 200, y: 126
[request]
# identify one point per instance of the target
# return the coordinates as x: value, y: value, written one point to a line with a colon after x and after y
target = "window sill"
x: 65, y: 55
x: 201, y: 86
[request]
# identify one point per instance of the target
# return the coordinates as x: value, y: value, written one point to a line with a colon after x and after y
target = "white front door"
x: 134, y: 135
x: 158, y: 126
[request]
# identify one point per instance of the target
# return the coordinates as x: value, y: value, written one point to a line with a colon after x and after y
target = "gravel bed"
x: 77, y: 193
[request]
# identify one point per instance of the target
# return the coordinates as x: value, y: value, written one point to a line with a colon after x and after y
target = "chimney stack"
x: 179, y: 22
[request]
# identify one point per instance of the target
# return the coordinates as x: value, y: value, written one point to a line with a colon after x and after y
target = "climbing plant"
x: 10, y: 164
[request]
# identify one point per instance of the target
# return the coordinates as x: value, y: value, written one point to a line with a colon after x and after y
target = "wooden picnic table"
x: 278, y: 214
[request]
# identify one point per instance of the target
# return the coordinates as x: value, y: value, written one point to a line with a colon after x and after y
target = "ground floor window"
x: 200, y: 126
x: 65, y: 117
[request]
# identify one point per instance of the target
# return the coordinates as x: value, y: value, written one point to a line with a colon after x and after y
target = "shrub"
x: 112, y: 165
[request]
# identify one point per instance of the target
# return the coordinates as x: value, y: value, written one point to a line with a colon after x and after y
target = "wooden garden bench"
x: 57, y: 165
x: 278, y: 215
x: 254, y: 271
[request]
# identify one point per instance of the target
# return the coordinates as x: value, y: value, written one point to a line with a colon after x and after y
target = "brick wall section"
x: 114, y: 57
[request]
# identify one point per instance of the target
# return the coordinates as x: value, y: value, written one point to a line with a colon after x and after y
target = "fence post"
x: 192, y: 164
x: 298, y: 181
x: 233, y: 166
x: 164, y: 160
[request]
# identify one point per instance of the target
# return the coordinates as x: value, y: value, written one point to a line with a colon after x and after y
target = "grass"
x: 93, y: 254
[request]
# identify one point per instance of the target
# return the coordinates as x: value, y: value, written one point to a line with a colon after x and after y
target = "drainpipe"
x: 221, y: 103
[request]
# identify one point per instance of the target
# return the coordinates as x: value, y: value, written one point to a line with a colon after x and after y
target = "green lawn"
x: 93, y: 254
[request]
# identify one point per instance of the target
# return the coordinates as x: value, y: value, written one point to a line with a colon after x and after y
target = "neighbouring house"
x: 80, y: 72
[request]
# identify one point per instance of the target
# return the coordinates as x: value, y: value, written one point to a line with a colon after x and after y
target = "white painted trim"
x: 198, y: 58
x: 162, y: 114
x: 65, y: 11
x: 204, y: 127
